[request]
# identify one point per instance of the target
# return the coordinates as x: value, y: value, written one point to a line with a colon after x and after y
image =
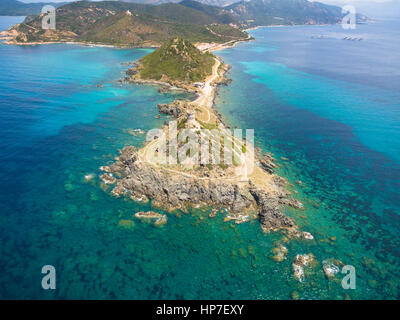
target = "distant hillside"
x: 186, y: 13
x: 176, y: 60
x: 218, y: 3
x: 217, y: 13
x: 121, y: 23
x: 18, y: 8
x: 284, y: 12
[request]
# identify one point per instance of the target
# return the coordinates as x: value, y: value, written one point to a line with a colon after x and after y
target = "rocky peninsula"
x: 241, y: 193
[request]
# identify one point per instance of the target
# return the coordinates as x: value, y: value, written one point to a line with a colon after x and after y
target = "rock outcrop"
x: 270, y: 215
x: 170, y: 191
x: 267, y: 162
x: 176, y: 108
x: 108, y: 178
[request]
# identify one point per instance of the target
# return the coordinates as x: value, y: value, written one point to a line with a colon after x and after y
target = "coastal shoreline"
x: 86, y: 44
x: 213, y: 46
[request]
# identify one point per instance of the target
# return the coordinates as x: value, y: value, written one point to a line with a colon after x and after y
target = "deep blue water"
x: 331, y: 106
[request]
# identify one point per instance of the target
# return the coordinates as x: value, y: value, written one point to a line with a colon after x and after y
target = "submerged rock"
x: 157, y: 219
x: 127, y: 224
x: 59, y: 214
x: 331, y: 267
x: 148, y: 215
x: 88, y: 177
x: 93, y: 196
x: 295, y: 295
x: 69, y: 187
x: 242, y: 252
x: 280, y: 253
x: 135, y: 132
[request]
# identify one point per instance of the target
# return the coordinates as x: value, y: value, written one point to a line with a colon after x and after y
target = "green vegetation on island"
x: 177, y: 60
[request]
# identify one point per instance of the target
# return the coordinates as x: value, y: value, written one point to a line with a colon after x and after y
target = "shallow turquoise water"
x: 57, y: 126
x: 339, y: 132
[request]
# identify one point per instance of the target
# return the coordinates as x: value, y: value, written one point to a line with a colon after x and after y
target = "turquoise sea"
x: 331, y: 106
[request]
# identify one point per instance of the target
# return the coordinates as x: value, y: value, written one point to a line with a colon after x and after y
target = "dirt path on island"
x: 206, y: 96
x: 204, y: 102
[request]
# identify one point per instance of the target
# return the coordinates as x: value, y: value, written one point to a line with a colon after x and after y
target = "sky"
x: 371, y: 8
x: 324, y: 1
x: 32, y: 1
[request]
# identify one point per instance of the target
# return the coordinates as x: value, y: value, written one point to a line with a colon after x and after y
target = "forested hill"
x: 121, y: 23
x: 176, y: 60
x: 284, y: 12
